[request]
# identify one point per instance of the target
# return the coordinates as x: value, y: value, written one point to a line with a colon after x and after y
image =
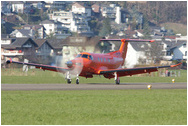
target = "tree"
x: 106, y: 28
x: 146, y: 28
x: 155, y: 52
x: 134, y: 24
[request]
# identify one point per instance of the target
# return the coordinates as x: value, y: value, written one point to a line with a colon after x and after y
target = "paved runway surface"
x: 92, y: 86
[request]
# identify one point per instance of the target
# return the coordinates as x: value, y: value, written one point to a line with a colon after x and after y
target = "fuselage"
x: 92, y: 63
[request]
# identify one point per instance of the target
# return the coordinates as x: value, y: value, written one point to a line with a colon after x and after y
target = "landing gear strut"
x: 68, y: 78
x: 117, y: 80
x: 77, y: 79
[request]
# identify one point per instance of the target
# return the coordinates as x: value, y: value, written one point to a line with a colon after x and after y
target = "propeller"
x: 73, y: 64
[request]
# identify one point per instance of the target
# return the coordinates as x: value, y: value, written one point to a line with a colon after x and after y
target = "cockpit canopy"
x: 85, y: 56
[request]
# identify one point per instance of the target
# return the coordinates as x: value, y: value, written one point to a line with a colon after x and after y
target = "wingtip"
x: 152, y: 40
x: 175, y: 65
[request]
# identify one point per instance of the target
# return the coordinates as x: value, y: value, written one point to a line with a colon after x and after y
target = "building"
x: 81, y: 8
x: 44, y: 51
x: 17, y: 6
x: 113, y: 12
x: 39, y: 30
x: 64, y: 17
x: 23, y: 33
x: 20, y: 47
x: 73, y: 21
x: 6, y: 7
x: 37, y: 4
x: 55, y: 28
x: 96, y: 8
x: 179, y: 51
x: 60, y: 5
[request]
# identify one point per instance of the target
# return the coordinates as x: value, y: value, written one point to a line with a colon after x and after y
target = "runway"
x: 92, y: 86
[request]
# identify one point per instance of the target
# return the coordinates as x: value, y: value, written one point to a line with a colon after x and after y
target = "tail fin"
x: 123, y: 49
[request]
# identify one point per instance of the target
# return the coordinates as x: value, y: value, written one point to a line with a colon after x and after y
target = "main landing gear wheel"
x: 117, y: 81
x: 69, y: 81
x: 77, y: 81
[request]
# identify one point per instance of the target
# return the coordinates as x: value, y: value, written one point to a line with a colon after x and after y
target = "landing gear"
x: 69, y: 81
x: 68, y: 78
x: 77, y: 79
x: 117, y: 80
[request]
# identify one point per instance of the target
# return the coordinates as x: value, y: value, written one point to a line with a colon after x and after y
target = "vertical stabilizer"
x: 123, y: 49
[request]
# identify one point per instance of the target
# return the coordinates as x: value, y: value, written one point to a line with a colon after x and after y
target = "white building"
x: 113, y: 12
x: 18, y: 6
x: 39, y: 30
x: 64, y: 17
x: 60, y: 5
x: 23, y: 33
x: 80, y: 8
x: 74, y: 22
x: 179, y: 51
x: 56, y: 28
x: 118, y: 15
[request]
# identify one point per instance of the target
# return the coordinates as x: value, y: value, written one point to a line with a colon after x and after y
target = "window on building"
x: 184, y: 45
x: 168, y: 53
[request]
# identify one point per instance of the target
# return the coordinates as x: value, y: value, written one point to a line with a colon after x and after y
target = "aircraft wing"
x: 134, y: 71
x: 41, y: 66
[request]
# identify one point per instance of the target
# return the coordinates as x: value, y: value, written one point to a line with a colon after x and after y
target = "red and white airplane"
x: 109, y: 65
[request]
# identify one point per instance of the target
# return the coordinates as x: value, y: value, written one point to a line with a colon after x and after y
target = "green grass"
x: 94, y: 107
x: 177, y: 28
x: 12, y: 76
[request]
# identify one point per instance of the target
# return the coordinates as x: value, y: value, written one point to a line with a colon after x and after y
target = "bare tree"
x: 154, y: 52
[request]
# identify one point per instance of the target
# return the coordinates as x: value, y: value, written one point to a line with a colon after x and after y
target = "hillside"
x: 177, y: 28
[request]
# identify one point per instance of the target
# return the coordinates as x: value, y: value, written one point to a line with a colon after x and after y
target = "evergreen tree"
x: 146, y: 28
x: 106, y: 28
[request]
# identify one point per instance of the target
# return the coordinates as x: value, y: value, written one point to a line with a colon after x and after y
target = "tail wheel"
x: 69, y: 81
x: 77, y: 81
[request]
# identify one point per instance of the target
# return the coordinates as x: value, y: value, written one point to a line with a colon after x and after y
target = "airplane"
x: 109, y: 65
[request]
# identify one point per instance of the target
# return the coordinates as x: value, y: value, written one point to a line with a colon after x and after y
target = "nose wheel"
x: 68, y: 78
x: 77, y: 79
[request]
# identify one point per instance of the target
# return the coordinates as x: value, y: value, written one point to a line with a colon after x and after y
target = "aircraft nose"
x: 69, y: 64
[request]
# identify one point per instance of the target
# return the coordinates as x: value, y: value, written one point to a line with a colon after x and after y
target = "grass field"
x: 12, y: 76
x: 177, y: 28
x: 109, y: 107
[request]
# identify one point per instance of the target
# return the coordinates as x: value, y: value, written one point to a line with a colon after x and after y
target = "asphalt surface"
x: 92, y: 86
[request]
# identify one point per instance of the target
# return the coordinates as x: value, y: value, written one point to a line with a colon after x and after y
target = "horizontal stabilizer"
x: 128, y: 40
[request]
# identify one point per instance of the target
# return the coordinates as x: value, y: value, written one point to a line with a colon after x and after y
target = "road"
x: 92, y: 86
